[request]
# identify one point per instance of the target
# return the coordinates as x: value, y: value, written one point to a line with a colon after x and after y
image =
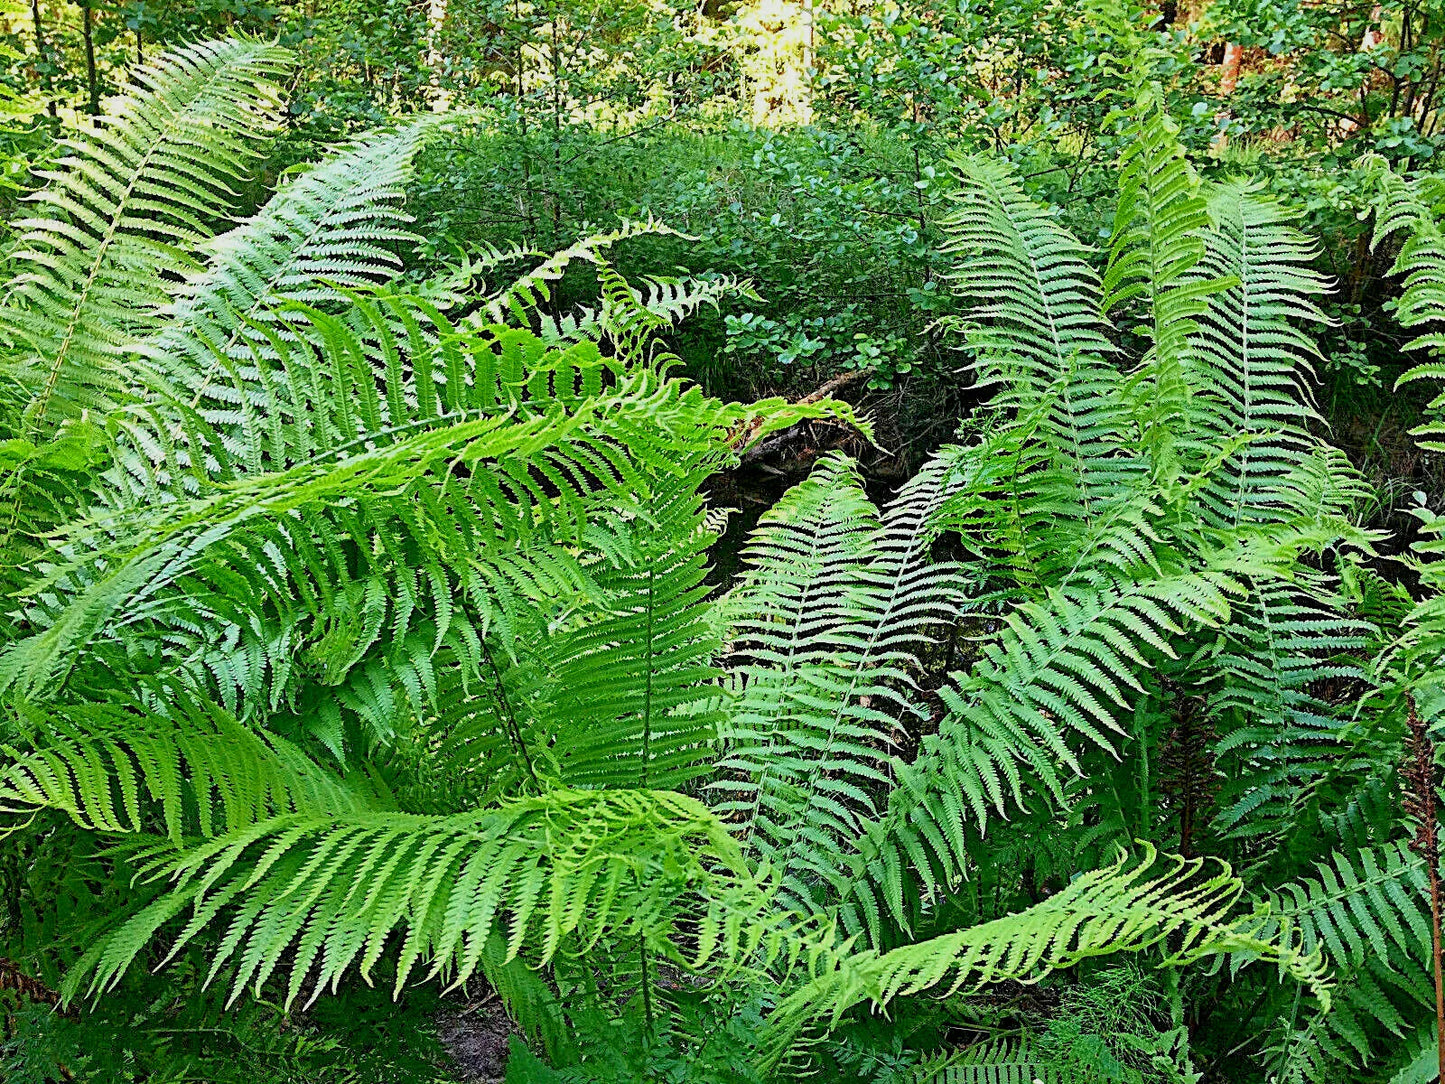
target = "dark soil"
x: 476, y: 1037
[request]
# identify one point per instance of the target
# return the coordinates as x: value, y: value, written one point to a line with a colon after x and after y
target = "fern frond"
x: 329, y: 229
x: 1039, y: 334
x: 1357, y: 907
x: 825, y: 630
x: 1415, y: 205
x: 1156, y: 249
x: 1250, y: 363
x: 134, y: 196
x: 1003, y: 1061
x: 668, y: 300
x: 631, y: 701
x: 1369, y: 912
x: 524, y: 297
x: 1036, y: 300
x: 410, y: 492
x: 1061, y: 671
x: 1131, y: 906
x: 111, y: 769
x: 316, y: 898
x: 1278, y: 740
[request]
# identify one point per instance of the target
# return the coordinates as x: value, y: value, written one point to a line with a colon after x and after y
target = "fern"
x: 137, y: 194
x: 824, y: 640
x: 1126, y: 907
x: 106, y: 766
x: 1254, y: 361
x: 326, y: 230
x: 1370, y: 913
x: 1001, y: 1062
x: 318, y: 896
x: 1403, y: 204
x: 368, y: 621
x: 1155, y: 248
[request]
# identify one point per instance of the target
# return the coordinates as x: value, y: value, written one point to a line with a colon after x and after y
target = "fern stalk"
x: 1419, y: 774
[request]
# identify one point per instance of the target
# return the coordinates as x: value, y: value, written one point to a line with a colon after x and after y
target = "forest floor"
x: 477, y: 1038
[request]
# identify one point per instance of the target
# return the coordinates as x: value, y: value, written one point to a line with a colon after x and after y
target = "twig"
x: 779, y: 440
x: 625, y: 135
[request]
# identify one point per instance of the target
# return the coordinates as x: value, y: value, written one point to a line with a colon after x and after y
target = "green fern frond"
x: 666, y: 300
x: 299, y: 516
x: 329, y: 229
x: 1416, y: 206
x: 1039, y: 334
x: 1062, y: 670
x: 111, y: 769
x: 1249, y: 362
x: 316, y: 898
x: 1156, y: 253
x: 1003, y: 1061
x: 1369, y: 912
x: 1131, y: 906
x: 825, y: 629
x: 631, y: 701
x: 1278, y: 739
x: 524, y: 297
x: 135, y: 195
x: 1036, y: 300
x: 1357, y: 907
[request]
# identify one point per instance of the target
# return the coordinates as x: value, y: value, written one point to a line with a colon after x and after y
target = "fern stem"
x: 647, y: 690
x: 1419, y: 773
x: 514, y: 731
x: 646, y: 985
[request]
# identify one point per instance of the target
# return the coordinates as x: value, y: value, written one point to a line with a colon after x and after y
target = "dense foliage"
x: 885, y: 542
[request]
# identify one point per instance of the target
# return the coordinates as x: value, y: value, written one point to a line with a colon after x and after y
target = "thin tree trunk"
x: 809, y: 59
x: 1229, y: 77
x: 531, y: 237
x: 556, y: 130
x: 40, y: 48
x: 92, y: 80
x: 436, y: 17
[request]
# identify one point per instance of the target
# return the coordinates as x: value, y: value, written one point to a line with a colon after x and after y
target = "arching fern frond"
x: 667, y: 299
x: 332, y: 227
x: 1366, y: 906
x: 1036, y: 301
x: 1278, y: 739
x: 825, y: 630
x: 316, y: 898
x: 130, y: 202
x: 525, y: 295
x: 409, y: 492
x: 112, y: 769
x: 1061, y: 671
x: 1131, y: 906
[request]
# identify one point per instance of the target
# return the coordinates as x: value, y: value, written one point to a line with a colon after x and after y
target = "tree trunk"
x: 436, y: 17
x: 809, y: 59
x: 46, y: 81
x: 1229, y: 78
x: 92, y: 80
